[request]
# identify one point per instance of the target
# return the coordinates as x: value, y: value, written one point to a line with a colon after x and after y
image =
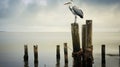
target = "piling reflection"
x: 58, y: 63
x: 26, y: 64
x: 103, y: 65
x: 35, y: 64
x: 66, y: 65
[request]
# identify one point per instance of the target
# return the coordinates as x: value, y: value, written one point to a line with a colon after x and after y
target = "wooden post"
x: 103, y: 56
x: 89, y: 33
x: 35, y: 53
x: 25, y: 53
x: 84, y: 39
x: 89, y: 46
x: 84, y: 45
x: 65, y: 53
x: 75, y: 37
x: 58, y: 54
x: 76, y: 45
x: 26, y: 56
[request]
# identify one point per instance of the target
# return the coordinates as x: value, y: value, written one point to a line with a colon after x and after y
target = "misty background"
x: 54, y: 16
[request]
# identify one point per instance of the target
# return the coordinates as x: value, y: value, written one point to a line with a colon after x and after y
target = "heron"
x: 75, y: 10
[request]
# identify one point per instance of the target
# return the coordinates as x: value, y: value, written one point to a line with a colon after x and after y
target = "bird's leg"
x: 75, y: 19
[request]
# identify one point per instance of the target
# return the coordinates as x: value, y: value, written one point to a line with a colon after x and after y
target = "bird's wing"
x: 72, y: 10
x: 78, y: 11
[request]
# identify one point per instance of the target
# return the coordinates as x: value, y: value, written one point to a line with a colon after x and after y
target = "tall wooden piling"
x: 84, y: 45
x: 89, y: 33
x: 58, y: 55
x: 35, y: 53
x: 76, y: 45
x: 65, y: 53
x: 84, y: 38
x: 25, y: 53
x: 103, y: 55
x: 75, y: 37
x: 89, y: 46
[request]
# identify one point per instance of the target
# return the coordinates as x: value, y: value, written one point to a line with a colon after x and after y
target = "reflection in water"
x: 66, y: 65
x: 76, y: 64
x: 58, y: 63
x: 35, y: 64
x: 103, y: 65
x: 26, y: 64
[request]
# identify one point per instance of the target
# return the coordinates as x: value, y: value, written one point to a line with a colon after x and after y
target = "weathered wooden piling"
x: 76, y: 44
x: 35, y: 53
x: 65, y: 53
x: 84, y: 45
x: 103, y: 54
x: 89, y: 33
x: 84, y: 38
x: 25, y: 53
x: 75, y: 37
x: 89, y: 46
x: 58, y: 55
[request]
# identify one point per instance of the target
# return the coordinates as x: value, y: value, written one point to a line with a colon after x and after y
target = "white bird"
x: 75, y: 10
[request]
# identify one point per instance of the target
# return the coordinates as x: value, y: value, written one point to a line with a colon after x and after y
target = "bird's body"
x: 75, y: 10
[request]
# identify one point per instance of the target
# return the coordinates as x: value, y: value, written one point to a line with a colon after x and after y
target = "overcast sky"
x: 53, y: 16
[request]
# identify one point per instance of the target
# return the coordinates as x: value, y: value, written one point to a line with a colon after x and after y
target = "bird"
x: 75, y: 10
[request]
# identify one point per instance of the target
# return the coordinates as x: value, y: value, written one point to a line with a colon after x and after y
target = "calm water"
x: 12, y: 46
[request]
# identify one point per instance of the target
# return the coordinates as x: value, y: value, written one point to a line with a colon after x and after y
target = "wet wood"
x: 35, y: 53
x: 65, y: 53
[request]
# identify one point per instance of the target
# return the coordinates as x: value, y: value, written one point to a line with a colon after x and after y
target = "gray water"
x: 12, y: 48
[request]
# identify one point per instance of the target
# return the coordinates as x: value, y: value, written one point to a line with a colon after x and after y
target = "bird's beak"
x: 67, y: 3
